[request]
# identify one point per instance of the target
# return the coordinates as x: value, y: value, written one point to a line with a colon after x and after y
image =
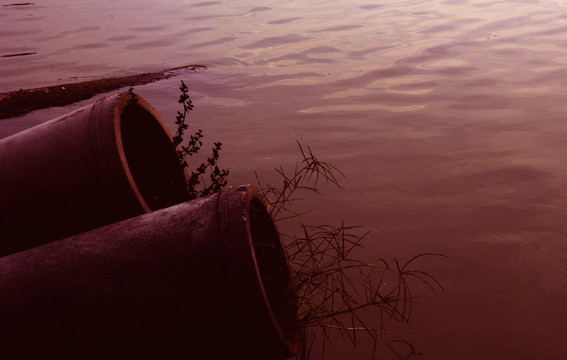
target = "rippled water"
x: 447, y: 117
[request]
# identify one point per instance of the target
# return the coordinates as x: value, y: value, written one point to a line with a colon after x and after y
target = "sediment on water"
x: 16, y: 103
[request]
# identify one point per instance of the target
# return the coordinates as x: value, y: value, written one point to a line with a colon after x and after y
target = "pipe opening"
x: 151, y: 158
x: 274, y: 270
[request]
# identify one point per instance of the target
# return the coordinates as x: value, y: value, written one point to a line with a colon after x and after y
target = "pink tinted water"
x: 448, y: 119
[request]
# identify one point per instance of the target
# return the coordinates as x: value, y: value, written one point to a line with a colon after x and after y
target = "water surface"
x: 447, y: 118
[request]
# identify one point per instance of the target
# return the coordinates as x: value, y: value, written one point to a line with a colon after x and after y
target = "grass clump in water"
x: 331, y: 291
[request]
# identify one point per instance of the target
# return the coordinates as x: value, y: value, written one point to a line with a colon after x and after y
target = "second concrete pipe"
x: 205, y: 279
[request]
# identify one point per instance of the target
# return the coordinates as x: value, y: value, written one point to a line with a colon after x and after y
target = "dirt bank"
x: 20, y: 102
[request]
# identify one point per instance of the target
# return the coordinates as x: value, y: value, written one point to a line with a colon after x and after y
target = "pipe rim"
x: 117, y: 105
x: 261, y: 231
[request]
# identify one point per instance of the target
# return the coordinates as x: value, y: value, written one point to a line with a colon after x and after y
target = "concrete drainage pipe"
x: 103, y: 163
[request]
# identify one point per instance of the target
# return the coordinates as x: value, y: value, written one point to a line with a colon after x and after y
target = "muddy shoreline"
x: 17, y: 103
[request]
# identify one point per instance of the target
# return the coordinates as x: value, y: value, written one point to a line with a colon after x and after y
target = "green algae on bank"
x: 16, y: 103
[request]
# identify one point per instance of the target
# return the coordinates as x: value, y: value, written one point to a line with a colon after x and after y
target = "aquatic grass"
x: 306, y: 176
x: 336, y: 293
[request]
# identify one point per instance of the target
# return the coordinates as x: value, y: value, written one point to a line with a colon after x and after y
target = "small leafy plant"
x: 217, y: 176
